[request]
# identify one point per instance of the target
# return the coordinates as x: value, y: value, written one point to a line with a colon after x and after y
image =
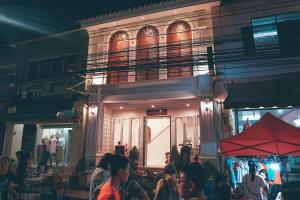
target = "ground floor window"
x: 30, y: 138
x: 247, y: 117
x: 126, y: 132
x: 57, y: 141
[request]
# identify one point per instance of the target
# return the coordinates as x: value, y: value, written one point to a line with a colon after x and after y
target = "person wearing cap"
x: 166, y: 187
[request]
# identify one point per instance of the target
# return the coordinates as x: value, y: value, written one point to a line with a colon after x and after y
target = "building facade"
x: 257, y: 60
x: 149, y: 83
x: 45, y: 109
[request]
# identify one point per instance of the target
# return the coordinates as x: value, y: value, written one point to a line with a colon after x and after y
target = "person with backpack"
x: 166, y: 187
x: 119, y: 172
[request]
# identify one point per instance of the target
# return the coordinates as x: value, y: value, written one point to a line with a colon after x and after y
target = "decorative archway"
x: 147, y: 54
x: 179, y: 50
x: 118, y: 57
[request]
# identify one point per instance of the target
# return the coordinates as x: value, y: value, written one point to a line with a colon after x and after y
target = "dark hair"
x: 195, y: 172
x: 169, y: 169
x: 104, y: 162
x: 116, y: 163
x: 252, y: 170
x: 265, y: 172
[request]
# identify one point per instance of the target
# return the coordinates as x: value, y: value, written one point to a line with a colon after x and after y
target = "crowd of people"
x: 113, y: 180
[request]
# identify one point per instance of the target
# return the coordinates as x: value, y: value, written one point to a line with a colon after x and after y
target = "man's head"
x: 104, y: 162
x: 191, y: 180
x: 170, y: 171
x: 4, y: 164
x: 119, y: 167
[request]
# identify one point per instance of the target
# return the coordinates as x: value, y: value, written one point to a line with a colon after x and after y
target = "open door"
x: 157, y: 139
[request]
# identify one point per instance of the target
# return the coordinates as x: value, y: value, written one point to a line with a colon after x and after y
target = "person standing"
x: 100, y: 174
x: 254, y: 186
x: 191, y: 182
x: 6, y: 180
x: 43, y: 160
x: 166, y: 187
x: 119, y: 172
x: 21, y: 169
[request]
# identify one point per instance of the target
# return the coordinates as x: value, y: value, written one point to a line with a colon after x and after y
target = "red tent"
x: 268, y: 136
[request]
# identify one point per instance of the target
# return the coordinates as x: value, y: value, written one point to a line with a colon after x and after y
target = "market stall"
x: 268, y: 136
x: 265, y: 144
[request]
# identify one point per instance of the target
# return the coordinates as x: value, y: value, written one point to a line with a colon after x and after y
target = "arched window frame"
x: 147, y: 53
x: 179, y: 53
x: 118, y: 57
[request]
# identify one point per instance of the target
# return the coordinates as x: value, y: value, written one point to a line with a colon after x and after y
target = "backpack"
x: 96, y: 192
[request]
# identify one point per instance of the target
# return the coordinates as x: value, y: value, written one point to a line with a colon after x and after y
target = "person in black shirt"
x: 21, y: 169
x: 6, y: 180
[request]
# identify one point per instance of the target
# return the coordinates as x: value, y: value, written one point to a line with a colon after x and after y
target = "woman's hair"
x: 252, y: 170
x: 104, y: 162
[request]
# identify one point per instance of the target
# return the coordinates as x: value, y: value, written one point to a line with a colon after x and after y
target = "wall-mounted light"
x: 121, y: 107
x: 152, y: 106
x: 187, y: 105
x: 207, y: 105
x: 93, y: 110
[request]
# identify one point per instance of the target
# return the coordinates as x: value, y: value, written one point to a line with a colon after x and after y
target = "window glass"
x: 288, y: 16
x: 265, y: 31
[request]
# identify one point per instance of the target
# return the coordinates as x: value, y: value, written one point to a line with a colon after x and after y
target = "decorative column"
x: 92, y: 129
x: 208, y: 142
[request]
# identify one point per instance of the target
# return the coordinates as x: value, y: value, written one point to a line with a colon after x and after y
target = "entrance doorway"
x: 157, y: 140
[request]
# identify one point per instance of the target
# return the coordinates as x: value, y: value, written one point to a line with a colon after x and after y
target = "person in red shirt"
x: 119, y: 172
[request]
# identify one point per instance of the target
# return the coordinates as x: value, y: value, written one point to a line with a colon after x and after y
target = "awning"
x: 280, y: 92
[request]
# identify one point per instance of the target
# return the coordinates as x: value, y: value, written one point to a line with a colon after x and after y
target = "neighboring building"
x: 43, y: 107
x: 7, y: 85
x: 149, y: 82
x: 257, y: 54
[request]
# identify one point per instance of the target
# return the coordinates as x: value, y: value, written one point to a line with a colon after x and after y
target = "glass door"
x: 157, y: 139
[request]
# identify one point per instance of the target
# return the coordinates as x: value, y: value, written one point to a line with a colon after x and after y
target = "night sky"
x: 26, y: 19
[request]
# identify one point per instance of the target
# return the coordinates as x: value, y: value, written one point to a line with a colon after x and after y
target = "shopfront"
x: 247, y: 117
x: 30, y: 138
x: 154, y: 128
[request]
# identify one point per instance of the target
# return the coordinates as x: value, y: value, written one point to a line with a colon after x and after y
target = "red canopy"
x: 268, y: 136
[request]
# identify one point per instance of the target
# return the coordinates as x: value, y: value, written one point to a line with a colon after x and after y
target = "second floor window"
x: 147, y: 62
x: 179, y: 50
x: 118, y: 57
x: 279, y: 31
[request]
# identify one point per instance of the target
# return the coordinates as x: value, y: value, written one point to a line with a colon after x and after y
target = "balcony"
x: 163, y: 89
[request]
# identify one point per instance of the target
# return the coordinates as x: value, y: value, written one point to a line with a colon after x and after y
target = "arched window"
x: 179, y: 50
x: 118, y: 57
x: 147, y: 54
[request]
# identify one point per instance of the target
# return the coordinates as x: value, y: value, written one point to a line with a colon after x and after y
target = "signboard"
x: 155, y: 112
